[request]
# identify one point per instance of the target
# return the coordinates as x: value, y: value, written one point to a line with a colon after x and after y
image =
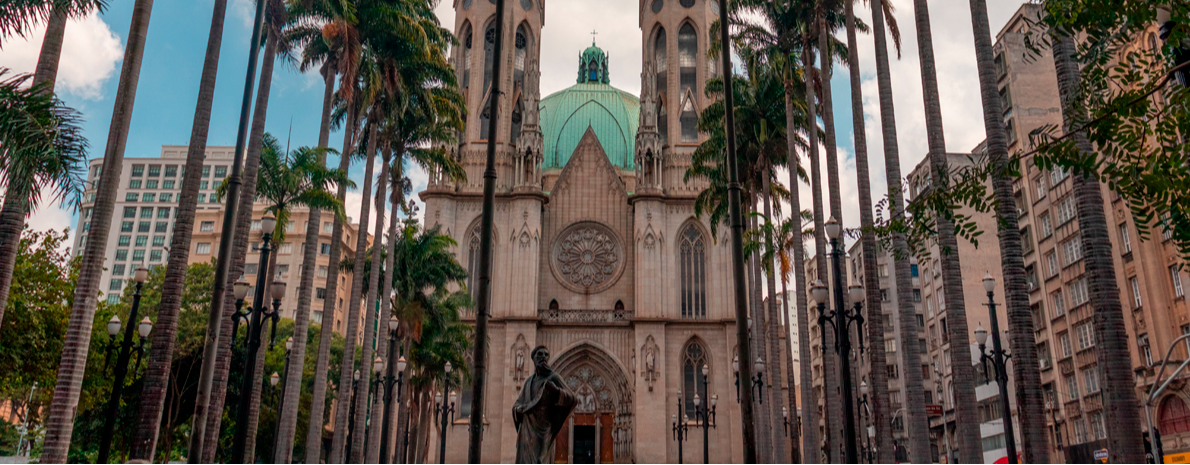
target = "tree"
x: 877, y: 358
x: 157, y: 378
x: 43, y: 156
x: 962, y: 371
x: 18, y: 17
x: 275, y: 20
x: 78, y: 337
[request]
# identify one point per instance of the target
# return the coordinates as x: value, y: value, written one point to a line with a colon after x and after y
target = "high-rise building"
x: 143, y: 224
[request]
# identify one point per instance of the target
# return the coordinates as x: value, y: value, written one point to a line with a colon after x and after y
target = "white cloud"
x: 245, y: 10
x: 55, y: 217
x: 90, y: 52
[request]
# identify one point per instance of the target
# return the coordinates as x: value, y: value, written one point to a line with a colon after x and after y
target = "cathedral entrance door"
x: 584, y: 439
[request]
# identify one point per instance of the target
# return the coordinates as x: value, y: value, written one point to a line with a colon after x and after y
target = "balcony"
x: 1086, y: 357
x: 585, y: 317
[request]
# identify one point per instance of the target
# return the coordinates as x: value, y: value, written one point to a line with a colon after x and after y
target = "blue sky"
x: 177, y: 39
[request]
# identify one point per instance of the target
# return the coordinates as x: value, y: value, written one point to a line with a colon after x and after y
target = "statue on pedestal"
x: 540, y: 411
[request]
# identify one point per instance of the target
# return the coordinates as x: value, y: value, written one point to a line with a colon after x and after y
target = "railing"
x: 584, y: 316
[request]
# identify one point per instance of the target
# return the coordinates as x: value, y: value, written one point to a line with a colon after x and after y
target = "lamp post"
x: 125, y: 352
x: 258, y: 311
x: 840, y: 319
x: 351, y: 413
x: 445, y: 410
x: 705, y: 413
x: 757, y: 381
x: 389, y: 380
x: 793, y: 430
x: 999, y: 361
x: 681, y: 430
x: 25, y: 421
x: 865, y: 410
x: 283, y: 378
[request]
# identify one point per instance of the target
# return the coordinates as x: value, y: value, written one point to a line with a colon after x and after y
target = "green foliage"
x: 1131, y: 110
x: 44, y: 148
x: 19, y: 17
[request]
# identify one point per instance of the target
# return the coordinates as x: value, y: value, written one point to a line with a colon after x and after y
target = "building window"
x: 892, y: 371
x: 1047, y: 228
x: 220, y: 172
x: 155, y: 256
x: 1059, y: 303
x: 138, y: 255
x: 207, y: 226
x: 1052, y: 260
x: 1066, y: 210
x: 202, y: 185
x: 1143, y: 342
x: 1040, y: 188
x: 151, y: 184
x: 214, y: 198
x: 322, y: 271
x: 1136, y: 299
x: 124, y: 241
x: 138, y: 171
x: 286, y: 248
x: 154, y: 170
x: 115, y: 285
x: 1073, y: 250
x: 661, y: 67
x: 1177, y: 281
x: 692, y: 256
x: 282, y: 270
x: 118, y: 269
x: 171, y: 171
x: 1091, y: 379
x: 328, y: 227
x: 144, y: 226
x: 688, y: 62
x: 912, y: 270
x: 121, y: 254
x: 1097, y: 426
x: 321, y: 293
x: 131, y: 197
x: 256, y: 225
x: 1078, y: 292
x: 167, y: 184
x: 134, y: 184
x: 1072, y: 387
x: 693, y: 359
x: 324, y: 249
x: 1057, y: 175
x: 1064, y: 341
x: 158, y: 241
x: 203, y: 248
x: 126, y: 226
x: 142, y: 241
x: 202, y: 198
x: 1086, y: 336
x: 1125, y: 241
x: 149, y: 197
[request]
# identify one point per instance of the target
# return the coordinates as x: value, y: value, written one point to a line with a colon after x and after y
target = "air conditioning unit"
x: 1045, y: 364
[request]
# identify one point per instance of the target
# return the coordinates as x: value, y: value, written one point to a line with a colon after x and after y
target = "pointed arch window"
x: 522, y: 44
x: 489, y: 45
x: 694, y: 356
x: 688, y: 72
x: 692, y: 264
x: 1175, y: 416
x: 473, y: 264
x: 661, y: 66
x: 467, y: 42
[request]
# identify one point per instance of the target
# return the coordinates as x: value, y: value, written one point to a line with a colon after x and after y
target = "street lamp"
x: 999, y: 363
x: 125, y: 352
x: 705, y: 413
x: 841, y: 319
x: 258, y: 311
x: 681, y: 430
x: 283, y: 378
x: 445, y: 411
x: 389, y: 379
x: 757, y: 381
x: 866, y: 412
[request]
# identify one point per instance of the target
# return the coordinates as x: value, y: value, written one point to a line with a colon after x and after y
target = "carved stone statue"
x: 540, y: 411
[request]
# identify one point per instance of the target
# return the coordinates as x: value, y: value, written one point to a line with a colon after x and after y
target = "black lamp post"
x: 792, y: 430
x: 705, y: 413
x: 351, y: 413
x: 757, y: 381
x: 389, y: 379
x: 840, y: 319
x: 258, y: 311
x: 446, y: 411
x: 125, y: 352
x: 866, y: 411
x: 282, y: 378
x: 999, y: 360
x: 681, y: 429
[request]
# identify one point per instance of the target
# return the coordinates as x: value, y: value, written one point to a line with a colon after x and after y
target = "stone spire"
x: 648, y: 142
x: 592, y: 66
x: 530, y: 143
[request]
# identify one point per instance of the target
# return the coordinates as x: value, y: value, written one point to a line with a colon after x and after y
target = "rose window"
x: 588, y: 257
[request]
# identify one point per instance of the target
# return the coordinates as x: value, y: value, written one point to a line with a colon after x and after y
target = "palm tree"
x: 962, y: 372
x: 60, y: 421
x: 1029, y: 397
x: 18, y: 17
x: 1123, y: 431
x: 877, y: 374
x: 275, y: 20
x: 156, y: 378
x: 44, y: 154
x: 915, y: 415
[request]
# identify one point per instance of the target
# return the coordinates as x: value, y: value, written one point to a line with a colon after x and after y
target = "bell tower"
x: 675, y: 38
x: 474, y: 58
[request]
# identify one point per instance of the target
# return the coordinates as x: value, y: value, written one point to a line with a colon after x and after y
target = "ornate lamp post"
x: 792, y: 430
x: 705, y: 413
x: 258, y: 311
x: 757, y: 381
x: 283, y: 378
x: 999, y: 360
x: 840, y: 319
x: 446, y: 411
x: 866, y: 412
x: 681, y: 430
x: 125, y: 352
x: 389, y: 380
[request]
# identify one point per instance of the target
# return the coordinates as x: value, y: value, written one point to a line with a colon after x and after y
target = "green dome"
x: 612, y: 113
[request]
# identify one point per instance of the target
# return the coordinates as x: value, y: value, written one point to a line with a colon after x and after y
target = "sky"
x: 174, y: 53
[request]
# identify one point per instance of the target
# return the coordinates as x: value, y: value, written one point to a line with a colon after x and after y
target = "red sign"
x: 934, y: 410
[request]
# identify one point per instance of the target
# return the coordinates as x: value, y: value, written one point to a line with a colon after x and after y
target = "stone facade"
x: 597, y: 252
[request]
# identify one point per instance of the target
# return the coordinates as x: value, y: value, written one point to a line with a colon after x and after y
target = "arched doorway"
x: 601, y: 428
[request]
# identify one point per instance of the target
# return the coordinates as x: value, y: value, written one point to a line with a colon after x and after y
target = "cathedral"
x: 597, y: 252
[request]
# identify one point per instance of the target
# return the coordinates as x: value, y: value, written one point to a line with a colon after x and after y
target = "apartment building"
x: 1148, y: 271
x: 143, y: 224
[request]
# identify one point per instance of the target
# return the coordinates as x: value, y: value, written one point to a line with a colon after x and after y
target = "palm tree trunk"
x: 157, y: 376
x: 386, y: 303
x: 1111, y: 336
x: 918, y: 427
x: 829, y: 371
x: 962, y: 372
x: 301, y: 324
x: 773, y: 328
x: 877, y: 359
x: 243, y: 223
x: 811, y: 449
x: 51, y: 50
x: 318, y: 394
x: 12, y: 224
x: 357, y: 283
x: 255, y: 401
x: 764, y: 446
x: 59, y: 424
x: 1030, y: 402
x: 358, y: 451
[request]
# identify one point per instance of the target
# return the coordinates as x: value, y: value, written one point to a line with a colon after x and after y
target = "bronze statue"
x: 540, y: 411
